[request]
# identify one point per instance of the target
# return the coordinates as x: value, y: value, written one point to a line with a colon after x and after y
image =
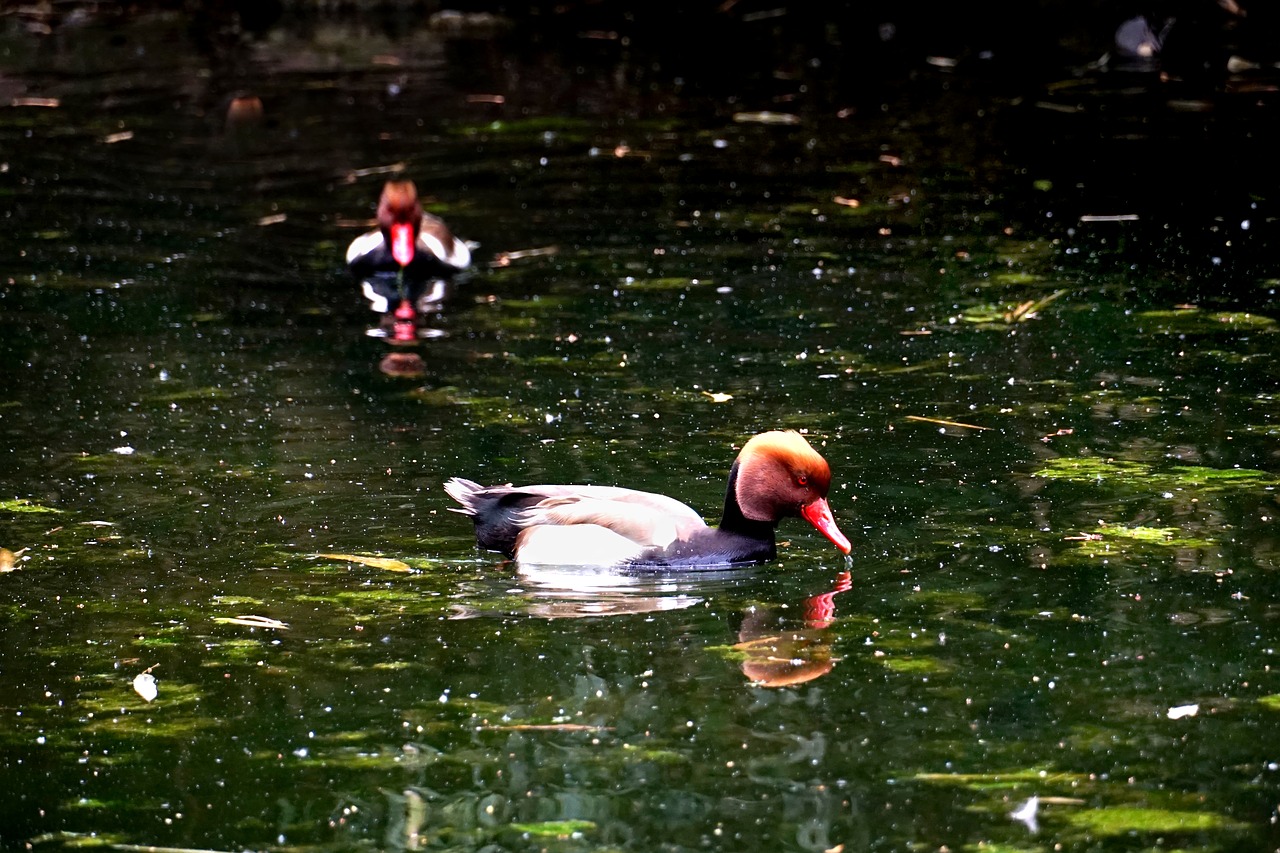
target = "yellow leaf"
x: 386, y: 563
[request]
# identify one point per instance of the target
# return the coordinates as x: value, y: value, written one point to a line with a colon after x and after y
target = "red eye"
x: 802, y: 479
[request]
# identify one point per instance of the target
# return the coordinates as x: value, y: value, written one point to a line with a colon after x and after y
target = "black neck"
x: 733, y: 521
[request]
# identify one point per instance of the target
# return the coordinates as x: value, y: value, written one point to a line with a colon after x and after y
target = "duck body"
x: 409, y: 256
x: 776, y: 475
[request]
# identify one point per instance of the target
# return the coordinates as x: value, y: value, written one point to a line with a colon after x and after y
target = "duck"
x: 408, y: 251
x: 776, y: 475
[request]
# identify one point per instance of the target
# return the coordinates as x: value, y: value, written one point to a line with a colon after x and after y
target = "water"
x: 1062, y: 522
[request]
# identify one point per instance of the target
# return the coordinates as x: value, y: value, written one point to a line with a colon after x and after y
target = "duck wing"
x: 649, y: 520
x: 501, y: 513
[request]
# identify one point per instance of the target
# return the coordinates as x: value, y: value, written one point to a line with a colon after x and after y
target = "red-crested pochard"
x: 408, y: 251
x: 776, y: 475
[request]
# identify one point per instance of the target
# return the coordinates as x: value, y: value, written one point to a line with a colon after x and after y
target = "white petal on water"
x: 1177, y: 712
x: 1026, y: 813
x: 144, y: 684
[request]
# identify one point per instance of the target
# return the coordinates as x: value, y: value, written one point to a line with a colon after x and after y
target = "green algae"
x: 1194, y: 321
x: 24, y: 506
x: 555, y: 828
x: 915, y: 665
x: 1006, y: 780
x: 1140, y: 475
x: 1115, y: 821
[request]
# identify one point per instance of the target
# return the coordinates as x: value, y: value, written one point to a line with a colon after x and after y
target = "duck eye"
x: 802, y: 479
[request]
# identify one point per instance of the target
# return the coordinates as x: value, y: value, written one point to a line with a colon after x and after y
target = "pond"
x: 1029, y: 320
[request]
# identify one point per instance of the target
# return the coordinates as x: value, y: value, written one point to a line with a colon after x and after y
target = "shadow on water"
x: 1021, y: 299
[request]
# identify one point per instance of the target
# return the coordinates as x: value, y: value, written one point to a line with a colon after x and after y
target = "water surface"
x: 1043, y: 377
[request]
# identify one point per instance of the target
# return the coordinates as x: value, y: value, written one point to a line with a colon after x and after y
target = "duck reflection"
x: 776, y: 654
x: 569, y: 592
x: 773, y: 649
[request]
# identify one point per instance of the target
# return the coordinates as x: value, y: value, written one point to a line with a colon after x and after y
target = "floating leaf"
x: 717, y: 396
x: 385, y: 563
x: 1179, y: 711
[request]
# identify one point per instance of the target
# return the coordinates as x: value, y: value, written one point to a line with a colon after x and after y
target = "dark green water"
x: 193, y: 416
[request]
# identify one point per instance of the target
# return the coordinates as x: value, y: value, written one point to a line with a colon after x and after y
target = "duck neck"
x: 733, y: 521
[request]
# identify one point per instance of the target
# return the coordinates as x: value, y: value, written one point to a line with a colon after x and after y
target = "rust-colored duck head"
x: 400, y: 217
x: 780, y: 475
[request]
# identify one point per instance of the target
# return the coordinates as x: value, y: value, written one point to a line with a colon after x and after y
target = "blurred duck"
x: 776, y: 475
x: 404, y: 262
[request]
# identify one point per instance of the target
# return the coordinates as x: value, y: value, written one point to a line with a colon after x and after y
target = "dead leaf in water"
x: 1027, y: 310
x: 51, y: 103
x: 765, y: 117
x: 385, y: 563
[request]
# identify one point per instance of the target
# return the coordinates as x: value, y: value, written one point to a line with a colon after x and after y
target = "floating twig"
x: 941, y: 422
x: 548, y: 727
x: 252, y: 621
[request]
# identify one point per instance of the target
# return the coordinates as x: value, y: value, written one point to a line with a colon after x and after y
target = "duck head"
x: 400, y: 217
x: 779, y: 476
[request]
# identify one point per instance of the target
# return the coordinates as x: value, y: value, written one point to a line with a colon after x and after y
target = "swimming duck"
x: 777, y: 475
x: 408, y: 251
